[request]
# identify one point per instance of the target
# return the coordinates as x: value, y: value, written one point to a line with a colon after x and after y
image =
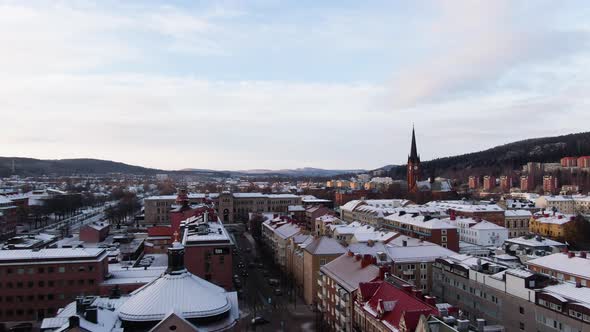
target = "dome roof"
x: 183, y: 293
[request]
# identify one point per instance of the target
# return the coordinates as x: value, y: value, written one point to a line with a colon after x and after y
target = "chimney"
x: 571, y: 254
x: 481, y: 323
x: 74, y: 321
x: 407, y: 288
x: 366, y: 261
x: 430, y: 300
x: 462, y: 325
x: 559, y: 216
x: 578, y: 284
x: 583, y: 254
x: 358, y: 257
x: 91, y: 314
x: 453, y: 215
x: 370, y: 243
x: 350, y: 254
x: 404, y: 243
x: 417, y: 293
x: 572, y: 218
x: 383, y: 271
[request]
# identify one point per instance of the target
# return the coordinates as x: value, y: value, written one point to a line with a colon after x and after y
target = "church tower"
x: 413, y: 171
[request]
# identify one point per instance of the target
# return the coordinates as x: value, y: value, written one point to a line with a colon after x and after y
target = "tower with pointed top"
x: 413, y: 172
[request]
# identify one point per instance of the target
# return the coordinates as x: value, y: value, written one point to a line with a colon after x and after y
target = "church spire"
x: 414, y: 150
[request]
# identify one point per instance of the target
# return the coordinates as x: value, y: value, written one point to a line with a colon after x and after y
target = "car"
x: 265, y: 273
x: 241, y: 265
x: 251, y: 265
x: 273, y: 282
x: 22, y: 327
x: 248, y: 249
x: 278, y: 291
x: 244, y: 273
x: 258, y: 320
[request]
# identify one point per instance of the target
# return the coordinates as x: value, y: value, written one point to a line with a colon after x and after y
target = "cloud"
x: 474, y: 44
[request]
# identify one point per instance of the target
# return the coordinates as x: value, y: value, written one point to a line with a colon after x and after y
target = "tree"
x: 577, y: 233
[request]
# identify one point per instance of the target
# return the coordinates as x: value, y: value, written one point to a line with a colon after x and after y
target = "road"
x: 286, y: 312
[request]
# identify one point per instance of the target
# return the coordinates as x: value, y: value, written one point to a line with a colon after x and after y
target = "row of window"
x: 30, y: 298
x: 42, y: 270
x: 49, y: 283
x: 28, y: 312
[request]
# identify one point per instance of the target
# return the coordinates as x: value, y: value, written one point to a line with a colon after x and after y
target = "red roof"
x: 393, y: 305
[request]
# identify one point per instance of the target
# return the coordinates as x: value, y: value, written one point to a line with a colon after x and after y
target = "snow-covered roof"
x: 287, y: 230
x: 535, y: 242
x: 53, y: 254
x: 517, y: 213
x: 155, y: 300
x: 486, y: 225
x: 576, y: 265
x: 550, y: 218
x: 296, y: 208
x: 348, y: 272
x: 424, y: 253
x: 325, y: 246
x: 571, y: 292
x: 420, y: 221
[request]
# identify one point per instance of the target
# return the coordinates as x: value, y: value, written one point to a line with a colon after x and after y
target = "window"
x: 61, y: 269
x: 322, y: 261
x: 521, y: 324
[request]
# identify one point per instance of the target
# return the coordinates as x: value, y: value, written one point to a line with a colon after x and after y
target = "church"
x: 432, y: 188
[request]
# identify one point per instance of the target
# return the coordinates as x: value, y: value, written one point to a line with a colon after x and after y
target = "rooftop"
x: 348, y: 272
x: 575, y: 265
x: 50, y: 254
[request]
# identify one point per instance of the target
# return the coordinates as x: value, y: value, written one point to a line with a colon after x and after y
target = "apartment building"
x: 424, y: 227
x: 551, y: 225
x: 517, y: 222
x: 564, y: 266
x: 518, y: 299
x: 316, y: 254
x: 338, y: 283
x: 231, y: 207
x: 36, y: 283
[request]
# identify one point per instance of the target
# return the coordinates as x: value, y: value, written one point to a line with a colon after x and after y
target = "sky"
x: 286, y: 84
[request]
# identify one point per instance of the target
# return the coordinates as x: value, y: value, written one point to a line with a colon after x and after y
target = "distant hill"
x: 302, y: 172
x: 504, y: 157
x: 37, y: 167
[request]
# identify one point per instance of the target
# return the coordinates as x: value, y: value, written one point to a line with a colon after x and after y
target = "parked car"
x: 273, y: 282
x: 278, y: 291
x: 258, y: 320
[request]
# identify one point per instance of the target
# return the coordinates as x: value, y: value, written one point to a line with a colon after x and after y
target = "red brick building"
x: 95, y: 232
x: 342, y: 197
x: 35, y: 283
x: 569, y: 162
x: 424, y: 227
x: 550, y: 184
x: 474, y: 182
x: 505, y: 183
x: 526, y: 183
x: 584, y: 162
x: 7, y: 218
x: 208, y: 249
x: 489, y: 182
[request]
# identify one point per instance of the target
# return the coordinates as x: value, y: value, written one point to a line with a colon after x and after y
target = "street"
x: 285, y: 312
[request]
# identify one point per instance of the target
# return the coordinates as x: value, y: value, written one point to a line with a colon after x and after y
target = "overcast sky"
x: 273, y: 84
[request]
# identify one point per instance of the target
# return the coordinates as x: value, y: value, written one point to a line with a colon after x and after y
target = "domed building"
x: 176, y: 301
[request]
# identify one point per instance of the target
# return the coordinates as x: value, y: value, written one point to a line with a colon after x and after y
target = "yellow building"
x: 551, y: 225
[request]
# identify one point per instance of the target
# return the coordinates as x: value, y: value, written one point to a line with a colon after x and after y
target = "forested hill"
x: 36, y: 167
x: 506, y: 157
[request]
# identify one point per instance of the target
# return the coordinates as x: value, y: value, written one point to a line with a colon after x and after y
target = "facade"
x: 481, y: 233
x: 424, y: 227
x: 36, y: 283
x: 316, y: 254
x: 564, y: 266
x: 313, y: 212
x: 207, y: 249
x: 231, y: 207
x: 569, y: 162
x: 550, y: 184
x: 95, y: 232
x: 517, y: 222
x: 526, y: 183
x: 282, y: 235
x: 7, y: 218
x: 489, y: 183
x: 338, y: 283
x: 412, y: 262
x: 505, y: 183
x: 474, y: 182
x: 550, y: 225
x: 584, y: 162
x: 517, y: 299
